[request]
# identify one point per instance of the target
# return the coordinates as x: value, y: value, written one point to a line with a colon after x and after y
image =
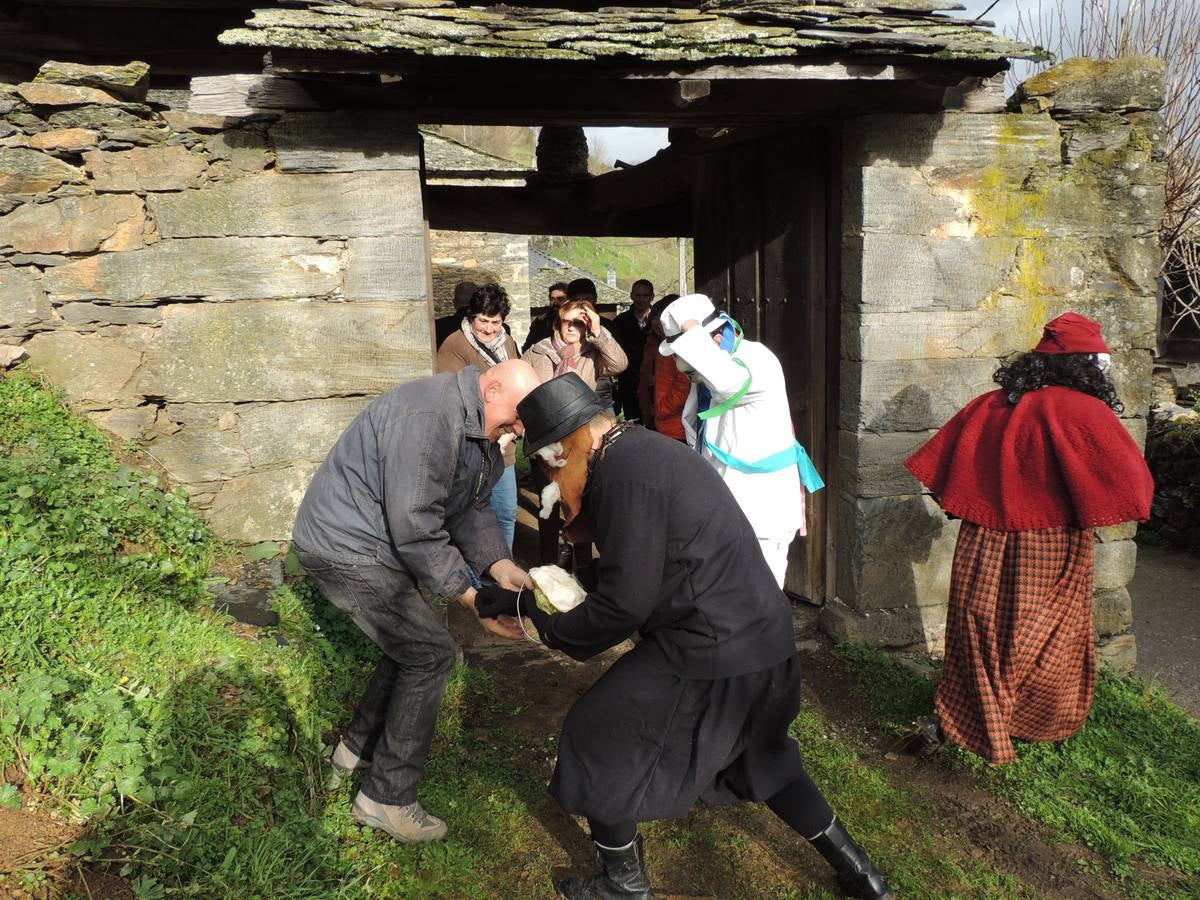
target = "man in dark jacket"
x: 630, y: 329
x: 700, y: 708
x: 444, y: 326
x: 543, y: 326
x: 401, y: 504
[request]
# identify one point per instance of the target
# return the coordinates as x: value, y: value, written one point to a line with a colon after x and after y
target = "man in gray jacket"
x: 401, y: 503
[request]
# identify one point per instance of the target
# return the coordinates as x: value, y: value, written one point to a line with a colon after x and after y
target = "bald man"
x: 401, y: 504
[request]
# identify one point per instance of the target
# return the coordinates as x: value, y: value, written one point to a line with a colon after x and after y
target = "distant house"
x: 545, y: 270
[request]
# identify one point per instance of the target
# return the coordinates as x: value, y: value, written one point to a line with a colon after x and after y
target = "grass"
x: 192, y: 750
x: 633, y: 258
x: 1128, y: 785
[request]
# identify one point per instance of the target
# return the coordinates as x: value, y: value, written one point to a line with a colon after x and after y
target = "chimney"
x: 612, y: 275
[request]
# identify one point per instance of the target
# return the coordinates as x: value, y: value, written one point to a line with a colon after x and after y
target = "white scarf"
x: 496, y: 350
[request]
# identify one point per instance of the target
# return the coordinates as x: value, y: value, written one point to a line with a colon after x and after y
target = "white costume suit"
x: 758, y: 426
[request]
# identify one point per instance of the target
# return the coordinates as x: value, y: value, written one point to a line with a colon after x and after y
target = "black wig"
x: 1079, y: 371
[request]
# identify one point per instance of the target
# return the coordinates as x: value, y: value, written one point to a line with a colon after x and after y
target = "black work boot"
x: 856, y: 874
x: 623, y: 876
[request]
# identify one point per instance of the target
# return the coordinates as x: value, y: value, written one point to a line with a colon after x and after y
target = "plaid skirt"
x: 1020, y: 644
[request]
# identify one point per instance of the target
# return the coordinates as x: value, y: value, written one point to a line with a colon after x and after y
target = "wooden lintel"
x: 548, y: 210
x: 529, y: 101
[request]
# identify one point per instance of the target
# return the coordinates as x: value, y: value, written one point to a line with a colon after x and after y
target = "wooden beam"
x: 548, y: 210
x: 527, y: 100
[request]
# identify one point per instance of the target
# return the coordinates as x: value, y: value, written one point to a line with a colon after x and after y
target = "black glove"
x: 493, y: 600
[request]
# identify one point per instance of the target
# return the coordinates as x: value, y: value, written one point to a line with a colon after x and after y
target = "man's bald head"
x: 503, y: 386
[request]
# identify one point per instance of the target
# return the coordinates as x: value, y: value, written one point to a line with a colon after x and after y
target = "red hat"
x: 1072, y: 333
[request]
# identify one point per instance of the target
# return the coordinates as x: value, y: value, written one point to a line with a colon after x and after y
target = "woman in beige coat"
x: 579, y: 344
x: 481, y: 341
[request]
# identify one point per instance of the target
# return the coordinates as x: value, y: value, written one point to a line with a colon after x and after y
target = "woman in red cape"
x: 1030, y: 469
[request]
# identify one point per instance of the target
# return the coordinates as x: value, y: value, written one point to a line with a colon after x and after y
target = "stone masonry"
x: 225, y: 292
x: 963, y: 234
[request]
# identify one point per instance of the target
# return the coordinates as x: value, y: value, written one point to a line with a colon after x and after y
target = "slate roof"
x: 445, y: 157
x: 712, y: 30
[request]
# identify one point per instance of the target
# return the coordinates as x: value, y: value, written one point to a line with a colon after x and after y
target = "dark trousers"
x: 394, y: 721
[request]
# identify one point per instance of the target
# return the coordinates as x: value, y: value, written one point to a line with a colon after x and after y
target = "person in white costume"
x: 737, y: 417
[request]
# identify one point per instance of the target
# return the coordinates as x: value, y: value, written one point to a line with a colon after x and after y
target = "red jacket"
x: 1057, y: 457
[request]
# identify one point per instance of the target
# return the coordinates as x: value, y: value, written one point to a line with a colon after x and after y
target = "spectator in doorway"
x: 580, y: 344
x: 584, y: 289
x: 482, y: 342
x: 662, y: 388
x: 630, y: 329
x: 543, y: 326
x: 444, y: 326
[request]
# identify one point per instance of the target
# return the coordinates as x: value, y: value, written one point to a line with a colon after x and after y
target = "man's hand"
x: 509, y: 575
x: 505, y: 627
x: 690, y: 324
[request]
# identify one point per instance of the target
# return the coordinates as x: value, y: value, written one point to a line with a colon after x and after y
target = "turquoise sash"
x: 794, y: 455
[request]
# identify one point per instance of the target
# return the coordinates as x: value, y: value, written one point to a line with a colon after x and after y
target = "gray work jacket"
x: 408, y: 486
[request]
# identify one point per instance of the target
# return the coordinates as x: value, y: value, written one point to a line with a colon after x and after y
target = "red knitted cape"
x: 1058, y: 457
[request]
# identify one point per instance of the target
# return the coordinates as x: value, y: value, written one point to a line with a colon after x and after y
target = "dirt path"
x: 1166, y: 621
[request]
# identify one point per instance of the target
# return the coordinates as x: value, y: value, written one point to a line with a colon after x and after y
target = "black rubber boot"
x: 856, y: 874
x: 623, y: 876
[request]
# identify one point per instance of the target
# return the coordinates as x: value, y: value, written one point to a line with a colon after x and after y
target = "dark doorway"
x: 763, y: 213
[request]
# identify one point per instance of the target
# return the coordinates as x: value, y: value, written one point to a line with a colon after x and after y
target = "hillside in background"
x: 634, y: 258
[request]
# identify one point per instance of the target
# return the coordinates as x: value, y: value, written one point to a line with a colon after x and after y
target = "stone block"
x: 260, y: 506
x: 40, y: 94
x: 75, y: 225
x: 1115, y: 563
x: 277, y: 433
x: 197, y: 455
x: 25, y: 171
x: 1137, y: 430
x: 910, y: 395
x: 1123, y: 532
x: 246, y: 151
x: 200, y: 123
x: 80, y: 313
x: 952, y: 139
x: 211, y: 268
x: 167, y: 168
x: 100, y: 118
x: 211, y: 353
x: 893, y: 552
x: 349, y: 140
x: 95, y: 371
x: 872, y: 465
x: 1112, y: 611
x: 901, y: 200
x: 130, y: 81
x: 894, y: 273
x: 934, y: 334
x: 361, y: 204
x: 910, y: 627
x: 1131, y: 372
x: 1118, y: 653
x: 1085, y: 85
x: 127, y: 424
x: 65, y: 139
x: 22, y: 303
x: 386, y: 268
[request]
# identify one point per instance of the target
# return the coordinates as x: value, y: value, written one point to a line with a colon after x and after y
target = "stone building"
x: 229, y: 278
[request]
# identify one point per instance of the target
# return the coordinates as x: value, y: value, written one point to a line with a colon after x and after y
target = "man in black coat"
x: 629, y: 328
x: 700, y: 708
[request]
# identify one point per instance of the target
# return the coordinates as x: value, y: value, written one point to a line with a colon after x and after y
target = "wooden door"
x: 763, y: 219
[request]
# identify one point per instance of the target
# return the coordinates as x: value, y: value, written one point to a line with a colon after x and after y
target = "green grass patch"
x: 1128, y: 785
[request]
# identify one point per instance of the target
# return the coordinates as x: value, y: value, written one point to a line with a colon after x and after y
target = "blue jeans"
x: 504, y: 503
x: 394, y: 721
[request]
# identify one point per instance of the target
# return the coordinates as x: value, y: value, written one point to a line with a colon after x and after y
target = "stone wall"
x: 482, y: 257
x: 227, y: 293
x: 963, y: 234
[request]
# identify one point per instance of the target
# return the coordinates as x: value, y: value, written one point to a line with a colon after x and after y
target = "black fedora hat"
x: 553, y: 410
